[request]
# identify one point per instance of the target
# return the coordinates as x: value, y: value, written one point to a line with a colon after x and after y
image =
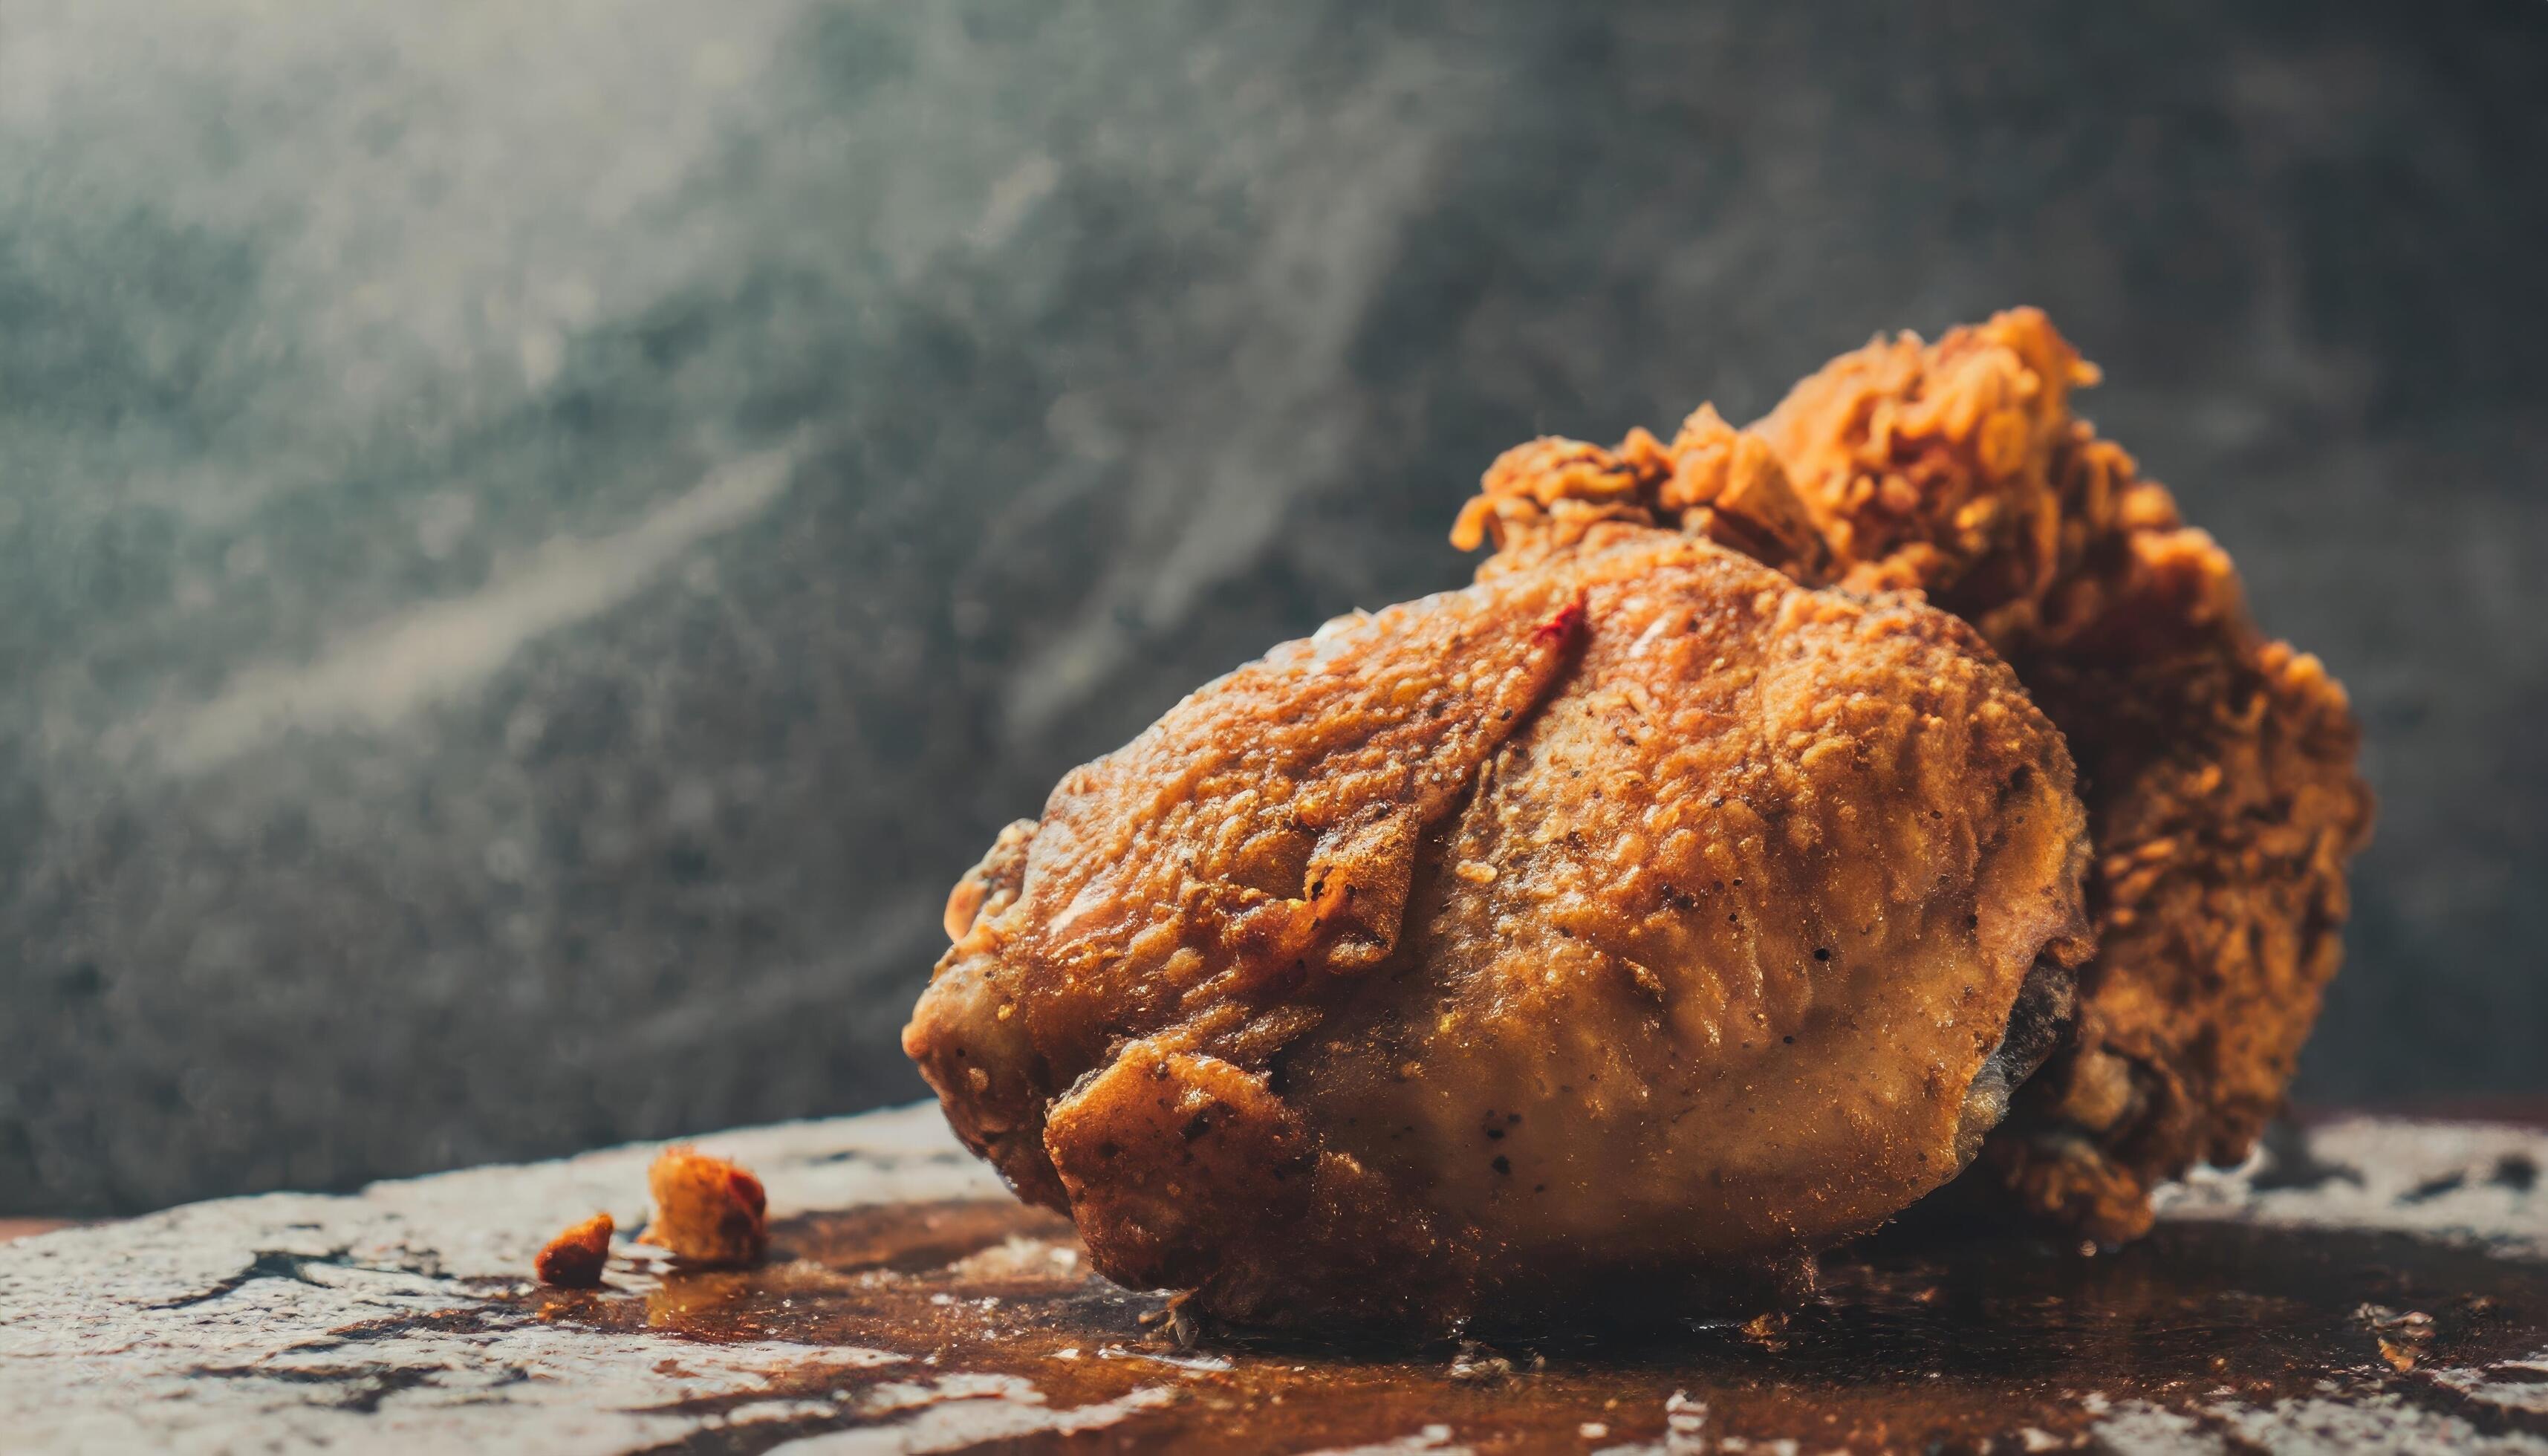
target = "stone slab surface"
x: 2363, y: 1285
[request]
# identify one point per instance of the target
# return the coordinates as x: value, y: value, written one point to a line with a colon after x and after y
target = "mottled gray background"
x: 536, y: 539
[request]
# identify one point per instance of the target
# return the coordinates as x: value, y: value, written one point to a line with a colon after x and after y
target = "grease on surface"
x: 1913, y: 1343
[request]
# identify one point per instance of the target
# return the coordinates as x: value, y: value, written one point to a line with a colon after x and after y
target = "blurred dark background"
x: 535, y: 541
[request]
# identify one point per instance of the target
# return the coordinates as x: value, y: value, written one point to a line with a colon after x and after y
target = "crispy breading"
x: 1712, y: 480
x: 1633, y: 919
x: 2218, y: 766
x: 1256, y: 841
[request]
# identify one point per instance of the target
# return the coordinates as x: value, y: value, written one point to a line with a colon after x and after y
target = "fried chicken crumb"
x: 707, y: 1211
x: 574, y: 1259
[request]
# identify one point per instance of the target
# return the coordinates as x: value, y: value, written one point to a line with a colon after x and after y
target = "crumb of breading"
x: 708, y: 1210
x: 574, y: 1259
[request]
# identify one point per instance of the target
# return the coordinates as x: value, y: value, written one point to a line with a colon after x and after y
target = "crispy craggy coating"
x: 1931, y: 469
x: 1712, y: 480
x: 1632, y: 919
x: 574, y: 1258
x: 708, y: 1210
x: 1256, y: 841
x: 2218, y: 766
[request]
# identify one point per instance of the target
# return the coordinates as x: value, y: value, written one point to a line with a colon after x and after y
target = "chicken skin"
x: 2218, y: 766
x: 1634, y: 921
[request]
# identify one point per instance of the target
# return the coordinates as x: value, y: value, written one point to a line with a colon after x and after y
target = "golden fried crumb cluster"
x: 574, y: 1259
x: 707, y: 1211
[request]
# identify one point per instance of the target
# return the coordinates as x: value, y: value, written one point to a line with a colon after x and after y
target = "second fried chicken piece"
x: 2218, y: 766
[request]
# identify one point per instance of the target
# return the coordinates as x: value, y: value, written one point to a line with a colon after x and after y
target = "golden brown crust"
x: 1712, y: 480
x: 1754, y: 826
x: 1200, y: 883
x: 2218, y: 766
x: 1930, y: 469
x: 2225, y: 804
x: 1632, y: 913
x: 991, y: 885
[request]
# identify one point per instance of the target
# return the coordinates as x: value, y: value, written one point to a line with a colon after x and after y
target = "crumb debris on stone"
x: 1768, y: 1329
x: 2403, y: 1335
x: 575, y: 1259
x: 1475, y: 1361
x: 707, y: 1211
x: 1176, y: 1323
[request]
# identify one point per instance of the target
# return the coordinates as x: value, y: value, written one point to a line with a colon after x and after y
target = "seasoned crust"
x: 1723, y: 940
x: 1712, y: 481
x: 1202, y: 884
x: 2223, y: 805
x: 2219, y: 767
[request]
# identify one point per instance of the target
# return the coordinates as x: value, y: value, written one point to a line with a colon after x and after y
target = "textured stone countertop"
x: 2367, y: 1284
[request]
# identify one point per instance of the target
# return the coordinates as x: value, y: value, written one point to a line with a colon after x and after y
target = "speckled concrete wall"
x: 536, y: 539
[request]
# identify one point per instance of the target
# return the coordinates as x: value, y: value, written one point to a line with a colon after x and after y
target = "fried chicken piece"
x: 2218, y: 766
x: 1632, y: 921
x: 575, y: 1259
x: 708, y: 1210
